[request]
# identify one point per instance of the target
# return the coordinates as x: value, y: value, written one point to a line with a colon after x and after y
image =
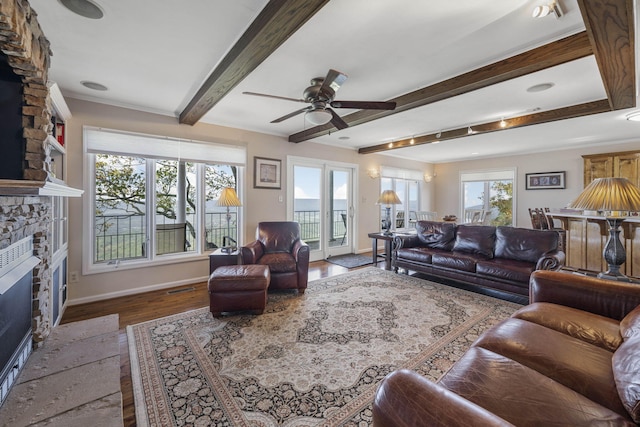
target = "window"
x: 490, y: 192
x: 406, y: 185
x: 140, y: 183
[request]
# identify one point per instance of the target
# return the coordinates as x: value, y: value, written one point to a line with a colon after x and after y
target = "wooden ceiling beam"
x: 610, y: 27
x: 556, y: 53
x: 276, y: 23
x: 573, y: 111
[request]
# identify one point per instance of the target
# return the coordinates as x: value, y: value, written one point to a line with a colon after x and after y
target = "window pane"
x: 501, y: 202
x: 175, y: 207
x: 306, y: 203
x: 218, y: 177
x: 119, y: 221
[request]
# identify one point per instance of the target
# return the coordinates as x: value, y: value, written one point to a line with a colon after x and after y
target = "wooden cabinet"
x: 624, y: 164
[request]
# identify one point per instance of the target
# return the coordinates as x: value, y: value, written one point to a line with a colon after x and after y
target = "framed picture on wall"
x: 266, y: 173
x: 545, y: 180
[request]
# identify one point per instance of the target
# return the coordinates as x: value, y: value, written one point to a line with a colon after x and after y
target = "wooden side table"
x: 388, y: 238
x: 218, y: 258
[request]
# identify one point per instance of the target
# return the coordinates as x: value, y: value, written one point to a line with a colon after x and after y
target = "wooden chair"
x: 538, y: 219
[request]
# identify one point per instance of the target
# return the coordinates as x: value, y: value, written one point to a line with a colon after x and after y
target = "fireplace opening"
x: 16, y: 289
x: 11, y: 139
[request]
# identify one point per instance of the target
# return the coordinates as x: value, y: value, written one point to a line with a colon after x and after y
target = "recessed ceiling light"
x: 86, y: 8
x: 344, y: 138
x: 475, y: 153
x: 94, y: 85
x: 541, y: 87
x: 634, y: 117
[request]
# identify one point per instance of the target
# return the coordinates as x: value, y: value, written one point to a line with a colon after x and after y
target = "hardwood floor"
x: 152, y: 305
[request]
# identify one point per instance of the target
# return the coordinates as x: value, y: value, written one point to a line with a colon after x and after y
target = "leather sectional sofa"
x: 500, y: 257
x: 570, y: 358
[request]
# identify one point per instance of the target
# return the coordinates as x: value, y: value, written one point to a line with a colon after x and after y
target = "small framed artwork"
x: 545, y: 180
x: 266, y: 173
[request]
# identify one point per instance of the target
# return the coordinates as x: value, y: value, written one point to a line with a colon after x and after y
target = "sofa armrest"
x: 300, y: 248
x: 251, y: 252
x: 407, y: 399
x: 405, y: 241
x: 553, y: 260
x: 604, y: 297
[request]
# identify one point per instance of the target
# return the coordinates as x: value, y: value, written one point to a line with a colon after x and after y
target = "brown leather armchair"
x: 279, y: 246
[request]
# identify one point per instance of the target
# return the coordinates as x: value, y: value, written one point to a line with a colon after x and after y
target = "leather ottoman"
x: 238, y: 288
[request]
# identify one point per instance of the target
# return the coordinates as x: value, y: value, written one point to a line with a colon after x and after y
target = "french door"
x: 320, y: 198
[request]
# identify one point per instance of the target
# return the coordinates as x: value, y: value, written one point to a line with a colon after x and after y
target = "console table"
x: 587, y: 236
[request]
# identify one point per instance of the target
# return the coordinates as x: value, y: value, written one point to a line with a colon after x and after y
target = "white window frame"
x: 408, y: 176
x: 490, y: 175
x: 200, y: 152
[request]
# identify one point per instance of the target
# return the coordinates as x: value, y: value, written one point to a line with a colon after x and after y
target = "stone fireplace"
x: 25, y: 210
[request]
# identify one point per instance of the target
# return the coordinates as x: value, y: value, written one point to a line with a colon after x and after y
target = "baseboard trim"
x: 128, y: 292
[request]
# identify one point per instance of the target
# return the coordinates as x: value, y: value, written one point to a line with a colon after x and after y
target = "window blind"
x: 98, y: 140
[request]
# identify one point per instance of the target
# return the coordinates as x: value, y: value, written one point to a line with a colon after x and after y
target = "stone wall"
x: 28, y: 52
x: 21, y: 217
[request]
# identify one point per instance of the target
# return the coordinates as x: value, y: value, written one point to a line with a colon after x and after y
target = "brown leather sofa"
x: 570, y: 358
x: 279, y: 246
x: 500, y: 257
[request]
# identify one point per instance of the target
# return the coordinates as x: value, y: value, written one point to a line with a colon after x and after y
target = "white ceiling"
x: 154, y: 55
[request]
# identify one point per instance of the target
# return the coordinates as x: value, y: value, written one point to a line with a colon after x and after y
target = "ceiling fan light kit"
x: 320, y: 95
x: 318, y: 117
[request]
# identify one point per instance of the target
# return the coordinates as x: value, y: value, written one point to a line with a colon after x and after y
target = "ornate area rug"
x: 309, y: 360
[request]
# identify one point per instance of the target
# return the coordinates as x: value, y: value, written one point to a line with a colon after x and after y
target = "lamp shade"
x: 613, y: 195
x: 228, y: 197
x: 389, y: 197
x: 318, y: 117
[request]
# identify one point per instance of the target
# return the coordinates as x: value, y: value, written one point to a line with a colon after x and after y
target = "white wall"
x: 259, y: 204
x: 447, y: 190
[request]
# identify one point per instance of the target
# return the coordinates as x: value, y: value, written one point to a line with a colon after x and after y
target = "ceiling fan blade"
x: 273, y: 96
x: 337, y: 121
x: 333, y: 81
x: 364, y: 105
x: 288, y: 116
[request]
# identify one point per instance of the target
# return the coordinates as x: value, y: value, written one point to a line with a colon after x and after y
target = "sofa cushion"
x: 521, y: 395
x: 475, y: 239
x: 523, y: 244
x: 418, y: 254
x: 626, y: 371
x: 454, y: 261
x: 553, y: 354
x: 630, y: 325
x: 433, y: 234
x: 516, y: 271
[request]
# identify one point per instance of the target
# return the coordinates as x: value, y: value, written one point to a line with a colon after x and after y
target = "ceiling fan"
x: 320, y: 95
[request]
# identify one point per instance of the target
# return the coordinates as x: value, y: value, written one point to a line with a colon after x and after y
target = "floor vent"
x: 179, y: 291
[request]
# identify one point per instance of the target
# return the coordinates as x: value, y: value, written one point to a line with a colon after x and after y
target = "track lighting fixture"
x: 503, y: 124
x: 543, y: 10
x: 469, y: 130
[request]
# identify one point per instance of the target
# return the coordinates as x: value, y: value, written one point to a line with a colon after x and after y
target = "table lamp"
x: 228, y: 198
x: 614, y: 198
x: 388, y: 197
